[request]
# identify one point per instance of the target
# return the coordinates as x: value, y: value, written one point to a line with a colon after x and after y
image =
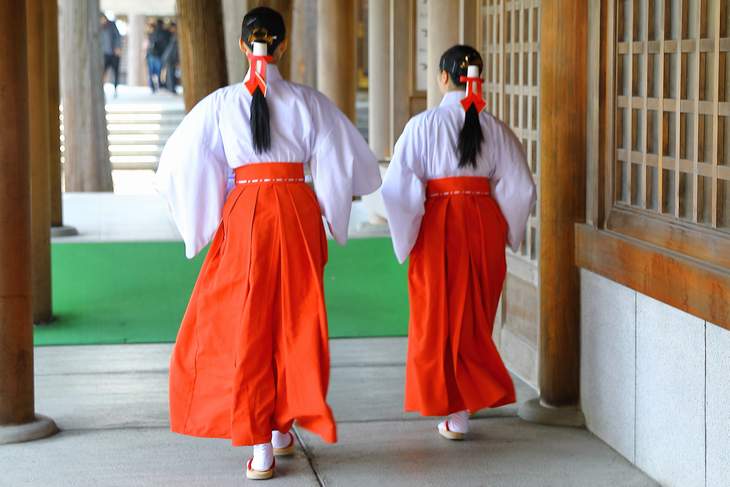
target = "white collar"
x: 452, y: 98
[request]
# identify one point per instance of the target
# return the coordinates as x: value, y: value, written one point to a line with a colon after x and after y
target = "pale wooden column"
x: 233, y: 12
x: 379, y: 54
x: 84, y: 116
x: 136, y: 65
x: 18, y: 421
x: 469, y: 18
x: 50, y: 27
x: 336, y: 62
x: 303, y: 42
x: 40, y: 164
x: 443, y: 32
x: 401, y: 29
x: 562, y: 204
x: 202, y: 53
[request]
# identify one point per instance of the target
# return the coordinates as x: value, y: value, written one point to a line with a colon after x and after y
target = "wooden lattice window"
x: 672, y: 111
x: 510, y: 44
x: 658, y: 158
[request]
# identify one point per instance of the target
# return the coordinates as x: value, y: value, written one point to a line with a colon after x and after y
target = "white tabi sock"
x: 263, y: 457
x: 458, y: 422
x: 280, y: 440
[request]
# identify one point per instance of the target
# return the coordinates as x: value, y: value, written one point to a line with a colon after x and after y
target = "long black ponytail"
x: 266, y: 25
x: 456, y: 61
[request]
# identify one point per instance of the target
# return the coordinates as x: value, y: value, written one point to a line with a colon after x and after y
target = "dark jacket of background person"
x: 111, y: 40
x: 158, y: 40
x: 171, y: 56
x: 170, y: 60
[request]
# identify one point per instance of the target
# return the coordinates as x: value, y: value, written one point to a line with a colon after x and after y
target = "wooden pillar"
x: 303, y: 42
x: 400, y: 75
x: 233, y: 12
x: 136, y: 65
x: 443, y: 32
x: 40, y: 167
x: 18, y: 421
x: 379, y: 54
x: 469, y: 18
x: 202, y: 53
x: 562, y: 204
x: 50, y: 28
x: 87, y: 166
x: 337, y: 64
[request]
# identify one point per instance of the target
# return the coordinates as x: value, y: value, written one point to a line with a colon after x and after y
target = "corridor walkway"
x: 111, y: 404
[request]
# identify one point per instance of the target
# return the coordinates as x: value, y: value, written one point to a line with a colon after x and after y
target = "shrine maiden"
x: 457, y: 191
x: 252, y: 355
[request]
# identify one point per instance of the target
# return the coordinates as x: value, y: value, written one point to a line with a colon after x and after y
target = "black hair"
x: 262, y: 24
x: 455, y: 61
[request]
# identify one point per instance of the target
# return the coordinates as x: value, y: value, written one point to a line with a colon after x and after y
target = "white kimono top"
x: 427, y: 150
x: 215, y: 137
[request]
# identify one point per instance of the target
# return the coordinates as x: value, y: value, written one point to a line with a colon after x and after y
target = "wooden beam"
x: 704, y: 244
x: 562, y: 194
x: 202, y: 53
x: 702, y: 290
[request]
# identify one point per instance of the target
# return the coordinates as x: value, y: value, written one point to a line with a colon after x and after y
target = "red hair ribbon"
x: 257, y: 72
x: 473, y: 93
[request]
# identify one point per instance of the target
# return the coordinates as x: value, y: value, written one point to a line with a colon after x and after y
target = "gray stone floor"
x: 111, y: 404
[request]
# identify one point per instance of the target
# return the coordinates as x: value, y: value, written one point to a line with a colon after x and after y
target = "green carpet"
x: 137, y: 292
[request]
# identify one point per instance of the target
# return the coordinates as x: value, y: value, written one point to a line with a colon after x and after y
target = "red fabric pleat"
x: 455, y: 276
x: 252, y: 352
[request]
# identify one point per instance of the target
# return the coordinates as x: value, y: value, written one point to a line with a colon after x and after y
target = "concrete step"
x: 166, y: 108
x: 143, y: 118
x: 134, y: 162
x: 134, y: 150
x: 141, y: 128
x: 137, y: 138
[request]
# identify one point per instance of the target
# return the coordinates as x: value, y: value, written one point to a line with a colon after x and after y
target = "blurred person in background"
x: 111, y: 46
x: 157, y: 41
x: 171, y: 58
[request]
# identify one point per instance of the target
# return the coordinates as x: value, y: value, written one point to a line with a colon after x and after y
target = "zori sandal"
x: 287, y: 450
x: 253, y: 474
x: 444, y: 431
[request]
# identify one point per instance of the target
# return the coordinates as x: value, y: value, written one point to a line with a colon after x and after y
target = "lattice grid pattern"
x: 510, y: 45
x: 673, y: 110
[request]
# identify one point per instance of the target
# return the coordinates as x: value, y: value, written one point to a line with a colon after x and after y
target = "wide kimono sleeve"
x: 512, y: 185
x: 404, y: 191
x: 193, y: 173
x: 342, y: 165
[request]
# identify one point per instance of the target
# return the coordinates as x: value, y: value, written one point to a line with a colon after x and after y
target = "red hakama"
x: 455, y: 276
x: 252, y: 352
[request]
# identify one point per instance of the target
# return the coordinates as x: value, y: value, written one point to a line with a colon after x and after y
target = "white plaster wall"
x: 718, y: 406
x: 608, y: 362
x: 655, y: 384
x: 670, y: 390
